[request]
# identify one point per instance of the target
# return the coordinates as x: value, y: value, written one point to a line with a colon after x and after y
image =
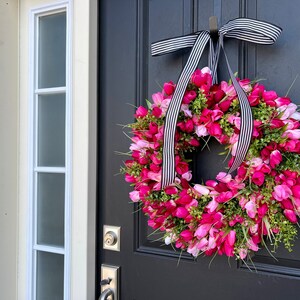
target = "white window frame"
x: 34, y: 92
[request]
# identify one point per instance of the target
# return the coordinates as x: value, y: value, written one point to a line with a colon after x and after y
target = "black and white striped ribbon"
x: 244, y: 29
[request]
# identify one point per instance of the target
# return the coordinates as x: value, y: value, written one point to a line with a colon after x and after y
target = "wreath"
x: 230, y: 215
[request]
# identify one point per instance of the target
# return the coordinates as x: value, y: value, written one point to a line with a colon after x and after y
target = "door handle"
x: 106, y: 293
x: 110, y: 282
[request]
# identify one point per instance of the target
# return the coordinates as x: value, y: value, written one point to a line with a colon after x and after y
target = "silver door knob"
x: 107, y: 294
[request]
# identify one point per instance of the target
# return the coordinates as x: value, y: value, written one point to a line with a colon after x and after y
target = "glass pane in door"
x: 51, y: 130
x: 52, y: 51
x: 50, y: 209
x: 50, y: 276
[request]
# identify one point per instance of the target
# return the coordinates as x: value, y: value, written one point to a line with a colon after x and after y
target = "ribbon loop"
x: 244, y: 29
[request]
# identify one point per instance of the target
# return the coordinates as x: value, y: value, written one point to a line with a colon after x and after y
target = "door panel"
x: 128, y: 76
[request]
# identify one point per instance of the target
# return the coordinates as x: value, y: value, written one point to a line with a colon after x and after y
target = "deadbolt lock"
x: 111, y: 237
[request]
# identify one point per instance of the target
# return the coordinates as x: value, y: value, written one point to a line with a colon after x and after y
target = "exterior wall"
x: 83, y: 148
x: 9, y: 146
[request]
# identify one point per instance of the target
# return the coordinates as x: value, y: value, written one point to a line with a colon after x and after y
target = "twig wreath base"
x: 230, y: 216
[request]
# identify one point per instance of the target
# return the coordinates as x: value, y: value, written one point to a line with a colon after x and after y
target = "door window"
x: 50, y: 155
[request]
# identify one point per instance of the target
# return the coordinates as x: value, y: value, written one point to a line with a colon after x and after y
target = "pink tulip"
x: 144, y: 191
x: 140, y: 144
x: 215, y: 129
x: 262, y: 210
x: 184, y: 198
x: 134, y: 196
x: 246, y: 85
x: 206, y: 70
x: 187, y: 112
x: 282, y: 101
x: 281, y: 192
x: 171, y: 190
x: 292, y: 134
x: 230, y: 238
x: 186, y: 235
x: 202, y: 231
x: 296, y: 191
x: 189, y: 96
x: 224, y: 197
x: 275, y: 158
x: 276, y: 123
x: 156, y: 112
x: 189, y: 126
x: 201, y: 189
x: 287, y: 204
x: 236, y: 121
x: 181, y: 212
x: 154, y: 176
x: 193, y: 249
x: 202, y: 244
x: 229, y: 90
x: 211, y: 183
x: 224, y: 177
x: 243, y: 253
x: 187, y: 175
x: 153, y: 224
x: 228, y: 249
x: 254, y: 228
x: 287, y: 110
x: 296, y: 116
x: 216, y: 115
x: 211, y: 242
x: 293, y: 146
x: 181, y: 166
x: 194, y: 142
x: 198, y: 78
x: 141, y: 112
x: 130, y: 178
x: 160, y: 101
x: 170, y: 205
x: 290, y: 215
x: 255, y: 162
x: 201, y: 130
x: 157, y: 99
x: 155, y: 159
x: 169, y: 88
x: 251, y: 208
x: 256, y: 94
x: 252, y: 245
x: 212, y: 206
x: 290, y: 124
x: 193, y: 203
x: 258, y: 178
x: 270, y: 97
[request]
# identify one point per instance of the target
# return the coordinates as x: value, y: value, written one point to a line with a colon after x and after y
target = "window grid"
x: 36, y: 169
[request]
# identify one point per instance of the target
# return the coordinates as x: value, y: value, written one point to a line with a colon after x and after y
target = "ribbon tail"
x: 173, y: 44
x: 168, y: 164
x: 246, y: 120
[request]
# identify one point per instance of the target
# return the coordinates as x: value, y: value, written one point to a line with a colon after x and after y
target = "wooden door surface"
x: 127, y: 76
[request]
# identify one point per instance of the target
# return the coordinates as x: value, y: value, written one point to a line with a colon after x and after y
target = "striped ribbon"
x: 244, y: 29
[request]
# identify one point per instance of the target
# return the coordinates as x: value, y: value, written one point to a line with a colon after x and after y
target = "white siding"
x: 8, y: 147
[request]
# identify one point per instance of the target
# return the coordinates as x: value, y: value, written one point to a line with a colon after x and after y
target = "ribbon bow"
x: 244, y: 29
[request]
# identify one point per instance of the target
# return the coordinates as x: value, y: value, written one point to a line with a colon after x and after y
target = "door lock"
x: 110, y: 278
x: 111, y: 237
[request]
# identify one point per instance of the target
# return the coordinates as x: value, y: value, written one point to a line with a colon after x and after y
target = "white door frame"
x: 84, y: 128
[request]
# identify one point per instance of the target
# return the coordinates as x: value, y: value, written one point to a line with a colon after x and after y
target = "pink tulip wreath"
x: 231, y: 215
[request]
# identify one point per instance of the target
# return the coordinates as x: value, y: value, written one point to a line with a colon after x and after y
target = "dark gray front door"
x: 128, y: 75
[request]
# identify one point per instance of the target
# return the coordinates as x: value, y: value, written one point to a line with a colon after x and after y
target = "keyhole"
x: 110, y: 238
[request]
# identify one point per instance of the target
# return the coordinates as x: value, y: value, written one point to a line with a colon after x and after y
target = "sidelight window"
x: 50, y: 161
